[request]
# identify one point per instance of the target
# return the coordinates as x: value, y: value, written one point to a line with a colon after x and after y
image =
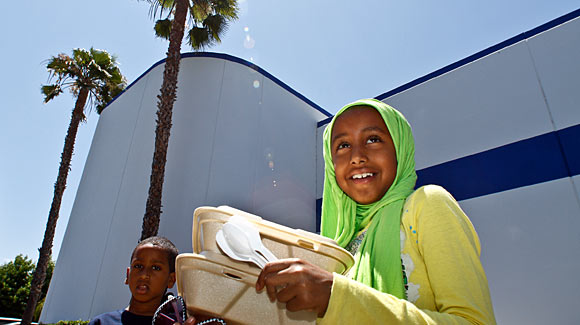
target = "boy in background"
x: 151, y: 273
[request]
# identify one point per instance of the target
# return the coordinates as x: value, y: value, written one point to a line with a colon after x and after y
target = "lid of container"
x: 283, y: 241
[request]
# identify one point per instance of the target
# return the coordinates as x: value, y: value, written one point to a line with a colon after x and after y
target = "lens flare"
x: 249, y: 42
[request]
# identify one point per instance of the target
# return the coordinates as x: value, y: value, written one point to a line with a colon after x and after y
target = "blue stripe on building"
x: 570, y: 141
x: 531, y: 161
x: 318, y: 214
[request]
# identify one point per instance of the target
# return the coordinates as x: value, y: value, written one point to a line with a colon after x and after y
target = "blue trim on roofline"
x: 525, y: 35
x: 324, y: 122
x: 232, y: 58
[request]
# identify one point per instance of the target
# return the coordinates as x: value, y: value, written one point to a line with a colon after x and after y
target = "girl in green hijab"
x: 416, y: 253
x: 345, y: 215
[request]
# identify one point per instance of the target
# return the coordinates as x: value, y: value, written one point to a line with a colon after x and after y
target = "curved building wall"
x: 240, y: 137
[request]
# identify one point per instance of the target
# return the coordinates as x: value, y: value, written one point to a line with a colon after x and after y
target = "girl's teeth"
x: 363, y: 175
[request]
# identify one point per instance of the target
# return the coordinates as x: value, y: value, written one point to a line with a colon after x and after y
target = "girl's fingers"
x: 296, y: 301
x: 274, y: 275
x: 286, y: 294
x: 297, y: 283
x: 271, y: 269
x: 296, y: 305
x: 278, y: 283
x: 271, y: 291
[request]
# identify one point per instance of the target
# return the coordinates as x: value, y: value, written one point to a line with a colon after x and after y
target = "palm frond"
x: 102, y: 57
x: 59, y: 63
x: 108, y: 93
x: 199, y: 37
x: 163, y: 28
x: 208, y: 20
x: 168, y: 6
x: 158, y: 6
x: 117, y: 78
x: 199, y: 10
x: 82, y: 57
x: 216, y: 24
x: 226, y: 8
x: 95, y: 70
x: 50, y: 92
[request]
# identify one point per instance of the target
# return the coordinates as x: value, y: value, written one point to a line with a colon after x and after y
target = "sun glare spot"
x: 249, y: 42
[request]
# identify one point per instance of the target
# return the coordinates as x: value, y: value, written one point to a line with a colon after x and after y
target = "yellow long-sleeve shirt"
x: 446, y: 282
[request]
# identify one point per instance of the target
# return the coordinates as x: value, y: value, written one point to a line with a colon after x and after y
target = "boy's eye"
x: 157, y: 267
x: 137, y: 266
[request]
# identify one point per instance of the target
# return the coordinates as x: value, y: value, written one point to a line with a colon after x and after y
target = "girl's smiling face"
x: 363, y: 154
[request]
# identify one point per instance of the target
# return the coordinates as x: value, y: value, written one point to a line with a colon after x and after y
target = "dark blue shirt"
x: 121, y: 317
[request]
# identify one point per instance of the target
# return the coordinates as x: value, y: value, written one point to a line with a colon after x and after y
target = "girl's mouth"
x: 362, y: 176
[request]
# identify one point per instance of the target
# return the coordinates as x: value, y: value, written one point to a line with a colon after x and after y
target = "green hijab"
x: 378, y: 260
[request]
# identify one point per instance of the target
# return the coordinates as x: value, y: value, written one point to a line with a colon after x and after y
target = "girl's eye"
x: 343, y: 145
x: 137, y: 266
x: 156, y: 268
x: 374, y: 139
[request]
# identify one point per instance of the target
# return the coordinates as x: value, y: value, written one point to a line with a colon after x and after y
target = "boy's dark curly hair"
x: 164, y: 244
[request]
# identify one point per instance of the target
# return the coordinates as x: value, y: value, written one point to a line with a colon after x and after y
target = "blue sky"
x: 332, y: 52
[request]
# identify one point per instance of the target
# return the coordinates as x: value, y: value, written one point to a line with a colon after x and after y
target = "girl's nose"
x: 357, y: 155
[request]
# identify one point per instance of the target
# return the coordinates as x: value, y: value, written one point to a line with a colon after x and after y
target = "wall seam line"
x: 117, y: 198
x: 556, y: 131
x: 215, y: 132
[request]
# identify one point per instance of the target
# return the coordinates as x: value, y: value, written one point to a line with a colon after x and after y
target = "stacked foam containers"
x: 213, y: 284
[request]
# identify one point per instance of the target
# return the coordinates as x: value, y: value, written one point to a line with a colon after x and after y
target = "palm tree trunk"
x: 163, y: 130
x: 59, y: 186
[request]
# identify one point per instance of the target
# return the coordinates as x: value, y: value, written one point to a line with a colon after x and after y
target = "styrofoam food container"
x: 213, y: 284
x: 284, y: 242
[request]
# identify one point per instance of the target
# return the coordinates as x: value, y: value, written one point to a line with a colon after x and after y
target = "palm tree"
x: 94, y: 79
x: 208, y: 19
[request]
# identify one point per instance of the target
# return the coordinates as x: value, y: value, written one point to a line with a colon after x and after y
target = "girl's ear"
x: 171, y: 281
x: 127, y: 276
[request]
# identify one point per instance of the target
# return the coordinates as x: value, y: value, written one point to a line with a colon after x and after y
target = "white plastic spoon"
x: 239, y: 241
x: 225, y: 246
x: 253, y: 236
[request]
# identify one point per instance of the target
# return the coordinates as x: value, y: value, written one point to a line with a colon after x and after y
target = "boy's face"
x: 363, y: 154
x: 149, y: 275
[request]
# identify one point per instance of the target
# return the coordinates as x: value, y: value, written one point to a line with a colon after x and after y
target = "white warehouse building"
x: 499, y: 129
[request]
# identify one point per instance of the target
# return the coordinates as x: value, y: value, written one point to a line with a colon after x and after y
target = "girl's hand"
x: 299, y: 284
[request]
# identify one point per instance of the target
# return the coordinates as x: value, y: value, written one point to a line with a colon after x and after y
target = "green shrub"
x: 70, y: 322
